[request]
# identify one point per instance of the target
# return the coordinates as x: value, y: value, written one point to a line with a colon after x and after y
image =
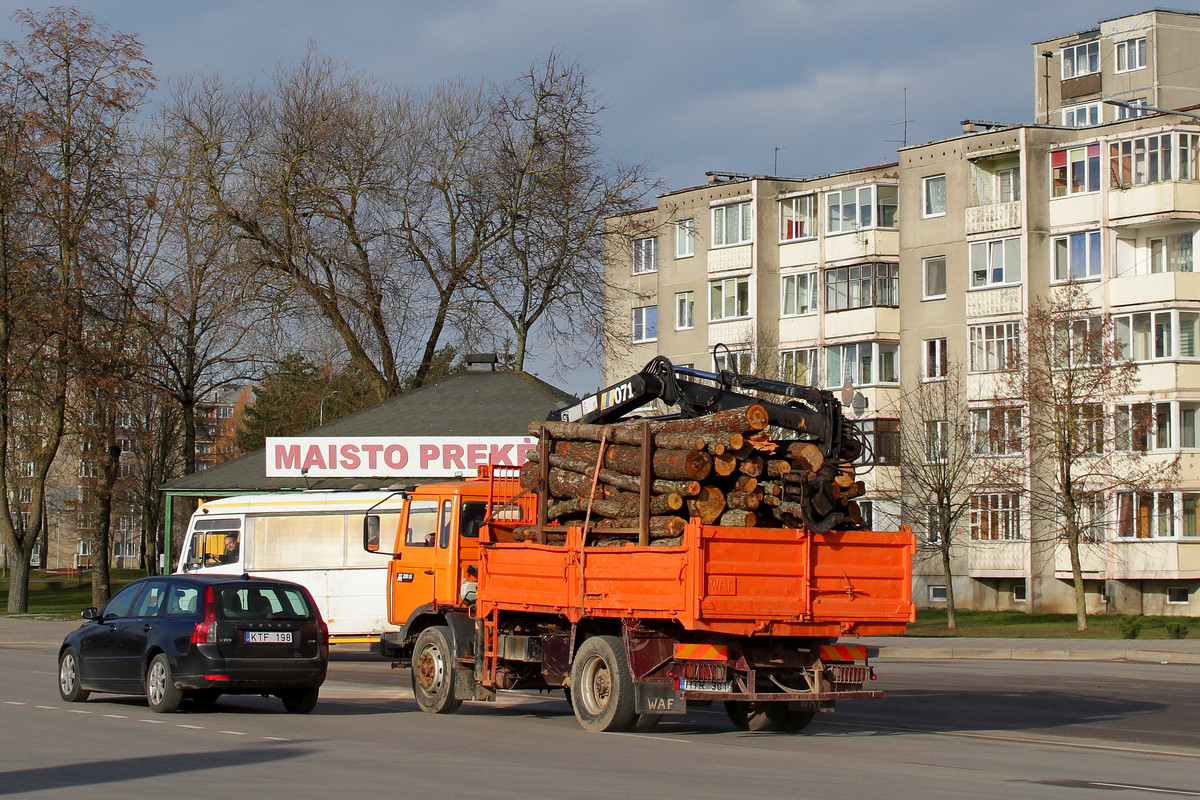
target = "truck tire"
x: 602, y: 686
x: 433, y: 672
x: 766, y: 717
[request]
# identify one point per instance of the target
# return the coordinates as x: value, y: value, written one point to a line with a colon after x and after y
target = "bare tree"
x: 554, y: 194
x: 945, y: 455
x: 73, y: 89
x: 1072, y: 373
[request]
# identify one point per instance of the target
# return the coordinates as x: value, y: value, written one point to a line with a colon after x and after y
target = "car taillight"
x: 322, y: 630
x: 206, y: 629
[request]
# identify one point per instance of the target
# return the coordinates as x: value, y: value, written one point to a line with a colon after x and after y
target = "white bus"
x: 312, y: 538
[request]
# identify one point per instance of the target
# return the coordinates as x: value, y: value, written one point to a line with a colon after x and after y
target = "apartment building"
x: 1102, y: 191
x: 794, y: 279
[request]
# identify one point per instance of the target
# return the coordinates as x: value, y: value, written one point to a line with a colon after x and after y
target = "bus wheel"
x: 433, y: 672
x: 602, y: 686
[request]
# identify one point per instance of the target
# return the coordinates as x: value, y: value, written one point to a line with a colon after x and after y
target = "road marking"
x: 152, y: 721
x: 233, y: 733
x: 48, y: 708
x: 77, y: 711
x: 276, y: 739
x: 1135, y: 787
x: 12, y: 703
x: 191, y: 727
x: 116, y: 716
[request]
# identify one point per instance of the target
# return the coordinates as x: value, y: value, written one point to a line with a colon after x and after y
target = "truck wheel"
x: 601, y: 685
x: 161, y: 692
x: 766, y: 717
x: 433, y: 672
x: 68, y: 677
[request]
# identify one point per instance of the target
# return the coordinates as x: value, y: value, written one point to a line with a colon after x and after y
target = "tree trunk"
x: 1081, y: 620
x: 18, y: 581
x: 948, y: 576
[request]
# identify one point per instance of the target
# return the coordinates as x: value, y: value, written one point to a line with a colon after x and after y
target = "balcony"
x: 994, y: 217
x: 1093, y: 560
x: 1157, y: 288
x: 1149, y: 559
x: 993, y: 302
x: 728, y: 259
x: 997, y: 559
x: 1137, y: 205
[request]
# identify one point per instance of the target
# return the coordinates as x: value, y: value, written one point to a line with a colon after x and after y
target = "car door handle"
x: 147, y: 627
x: 428, y: 572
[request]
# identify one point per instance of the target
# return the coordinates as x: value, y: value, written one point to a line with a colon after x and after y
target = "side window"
x: 182, y: 600
x: 470, y: 517
x: 152, y: 600
x: 120, y: 605
x: 444, y: 537
x: 422, y: 523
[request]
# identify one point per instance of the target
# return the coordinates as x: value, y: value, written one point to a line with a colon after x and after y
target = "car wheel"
x: 300, y: 701
x: 161, y: 691
x: 68, y: 677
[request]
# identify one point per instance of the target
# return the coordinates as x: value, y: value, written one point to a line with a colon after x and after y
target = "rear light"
x: 216, y: 677
x: 206, y: 629
x: 322, y: 630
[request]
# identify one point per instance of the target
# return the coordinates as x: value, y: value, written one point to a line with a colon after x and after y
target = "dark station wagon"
x: 197, y: 637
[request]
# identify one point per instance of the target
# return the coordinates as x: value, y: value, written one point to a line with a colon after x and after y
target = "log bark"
x: 659, y: 526
x: 738, y: 518
x: 630, y: 483
x: 746, y: 419
x: 777, y: 468
x: 690, y: 465
x: 629, y: 433
x: 746, y: 501
x: 752, y: 466
x: 744, y: 483
x: 805, y: 455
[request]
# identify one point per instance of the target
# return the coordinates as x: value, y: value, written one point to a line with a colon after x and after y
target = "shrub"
x: 1131, y: 627
x: 1177, y: 630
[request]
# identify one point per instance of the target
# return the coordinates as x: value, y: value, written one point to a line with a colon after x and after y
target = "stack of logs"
x: 722, y: 468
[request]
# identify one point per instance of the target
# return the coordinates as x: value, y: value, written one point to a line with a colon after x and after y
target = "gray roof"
x: 464, y: 404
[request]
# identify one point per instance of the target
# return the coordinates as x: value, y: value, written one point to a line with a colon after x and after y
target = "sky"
x: 786, y: 87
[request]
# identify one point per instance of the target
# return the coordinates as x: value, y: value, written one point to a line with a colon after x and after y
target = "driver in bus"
x: 230, y: 555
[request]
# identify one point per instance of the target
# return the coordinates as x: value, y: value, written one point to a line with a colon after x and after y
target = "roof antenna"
x: 903, y: 142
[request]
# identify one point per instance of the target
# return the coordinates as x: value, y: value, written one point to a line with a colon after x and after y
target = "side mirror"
x: 90, y: 613
x: 371, y: 533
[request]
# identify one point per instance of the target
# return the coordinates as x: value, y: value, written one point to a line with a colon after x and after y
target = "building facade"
x: 887, y: 277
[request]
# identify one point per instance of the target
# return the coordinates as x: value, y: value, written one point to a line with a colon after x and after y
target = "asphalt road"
x: 948, y: 729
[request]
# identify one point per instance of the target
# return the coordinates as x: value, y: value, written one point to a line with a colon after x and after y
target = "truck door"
x: 412, y: 573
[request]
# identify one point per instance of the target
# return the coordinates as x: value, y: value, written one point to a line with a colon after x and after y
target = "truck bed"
x: 739, y: 581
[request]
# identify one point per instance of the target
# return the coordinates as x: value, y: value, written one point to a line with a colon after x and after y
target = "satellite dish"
x: 847, y: 393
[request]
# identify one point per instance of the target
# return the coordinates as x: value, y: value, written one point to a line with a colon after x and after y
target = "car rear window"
x: 256, y: 601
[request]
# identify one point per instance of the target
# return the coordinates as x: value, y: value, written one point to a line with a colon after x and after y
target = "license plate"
x: 269, y: 637
x: 705, y: 686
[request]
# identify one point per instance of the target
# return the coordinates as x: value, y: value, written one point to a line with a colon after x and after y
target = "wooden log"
x: 530, y: 534
x: 689, y: 465
x: 715, y: 448
x: 804, y: 456
x: 745, y: 483
x: 752, y: 466
x: 762, y: 444
x: 629, y: 433
x: 770, y: 488
x: 725, y: 464
x: 747, y: 501
x: 738, y: 518
x: 777, y: 467
x: 708, y: 505
x: 735, y: 420
x: 659, y: 526
x: 845, y: 479
x: 630, y: 483
x: 564, y: 483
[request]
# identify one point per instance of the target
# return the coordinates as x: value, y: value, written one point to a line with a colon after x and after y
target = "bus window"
x: 444, y: 538
x: 209, y: 541
x: 422, y: 523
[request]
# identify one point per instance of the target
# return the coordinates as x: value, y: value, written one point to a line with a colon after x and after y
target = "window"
x: 883, y: 440
x: 1080, y: 59
x: 933, y: 525
x: 25, y: 469
x: 731, y: 224
x: 1018, y: 591
x: 1077, y: 256
x: 994, y: 347
x: 862, y: 286
x: 685, y: 311
x: 645, y: 324
x: 996, y: 431
x: 224, y: 412
x: 797, y: 218
x: 1187, y: 425
x: 87, y: 469
x: 1146, y: 515
x: 1140, y: 161
x: 937, y: 441
x: 1077, y: 342
x: 859, y: 208
x: 996, y: 262
x: 1172, y: 253
x: 1131, y: 54
x: 933, y: 271
x: 799, y: 366
x: 861, y: 363
x: 996, y: 516
x: 685, y: 238
x: 126, y: 419
x: 799, y: 294
x: 1134, y: 107
x: 1009, y: 184
x: 936, y: 363
x: 933, y: 193
x: 1090, y: 508
x: 1143, y: 426
x: 1189, y: 156
x: 1157, y: 335
x: 25, y: 494
x: 1081, y: 116
x: 739, y: 361
x: 1177, y: 595
x: 1089, y: 423
x: 729, y: 299
x: 937, y: 594
x: 645, y: 255
x: 1075, y: 171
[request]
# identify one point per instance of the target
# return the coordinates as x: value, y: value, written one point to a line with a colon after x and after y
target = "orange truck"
x: 764, y: 620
